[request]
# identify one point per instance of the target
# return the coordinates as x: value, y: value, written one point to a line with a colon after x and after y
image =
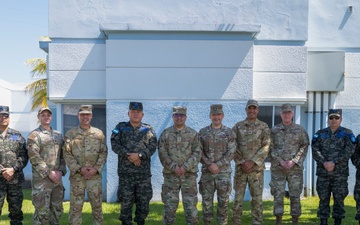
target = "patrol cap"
x: 4, y: 109
x: 287, y: 107
x: 85, y: 109
x: 335, y: 112
x: 179, y: 110
x: 136, y: 106
x: 216, y: 109
x: 252, y: 102
x: 42, y: 109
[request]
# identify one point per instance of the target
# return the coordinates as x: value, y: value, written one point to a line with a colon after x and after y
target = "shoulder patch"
x: 115, y: 131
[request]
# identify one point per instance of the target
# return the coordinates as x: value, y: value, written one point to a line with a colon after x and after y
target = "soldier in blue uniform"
x: 332, y: 148
x: 13, y: 158
x: 355, y: 158
x: 134, y: 142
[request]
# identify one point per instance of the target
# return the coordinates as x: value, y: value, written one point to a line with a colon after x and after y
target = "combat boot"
x: 323, y: 221
x: 295, y: 220
x: 278, y: 220
x: 337, y: 221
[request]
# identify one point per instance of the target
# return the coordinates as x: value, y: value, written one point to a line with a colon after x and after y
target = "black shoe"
x: 323, y: 221
x: 337, y: 221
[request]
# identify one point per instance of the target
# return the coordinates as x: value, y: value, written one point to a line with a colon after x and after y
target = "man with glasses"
x: 179, y: 153
x: 217, y: 143
x: 332, y: 148
x: 13, y: 158
x: 288, y: 149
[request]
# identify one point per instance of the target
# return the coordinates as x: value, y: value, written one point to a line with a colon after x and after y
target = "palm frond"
x: 38, y: 65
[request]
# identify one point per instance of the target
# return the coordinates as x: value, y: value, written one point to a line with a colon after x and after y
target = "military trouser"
x: 134, y: 188
x: 47, y: 198
x: 255, y: 180
x: 77, y: 193
x: 357, y: 194
x: 294, y: 177
x: 208, y: 185
x: 170, y: 197
x: 338, y: 186
x: 14, y: 197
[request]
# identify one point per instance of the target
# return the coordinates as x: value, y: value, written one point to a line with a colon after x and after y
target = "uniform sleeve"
x: 349, y: 148
x: 33, y: 146
x: 102, y: 155
x: 22, y: 158
x: 164, y: 156
x: 116, y: 144
x: 238, y: 158
x: 273, y: 151
x: 316, y: 149
x: 151, y: 145
x: 204, y: 159
x: 301, y: 154
x: 355, y: 158
x: 69, y: 158
x: 229, y: 153
x: 263, y: 152
x: 195, y: 156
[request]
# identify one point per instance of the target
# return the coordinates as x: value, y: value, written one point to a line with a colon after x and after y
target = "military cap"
x: 216, y: 109
x: 179, y: 110
x: 4, y: 109
x: 287, y: 107
x: 85, y: 109
x: 335, y: 112
x: 42, y: 109
x: 136, y: 106
x: 252, y: 102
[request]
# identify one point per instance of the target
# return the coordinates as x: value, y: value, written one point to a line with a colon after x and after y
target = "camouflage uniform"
x: 355, y: 158
x: 134, y: 181
x: 13, y: 154
x: 253, y: 141
x: 338, y: 147
x: 218, y: 146
x: 179, y: 148
x: 85, y: 149
x: 287, y: 143
x: 45, y: 154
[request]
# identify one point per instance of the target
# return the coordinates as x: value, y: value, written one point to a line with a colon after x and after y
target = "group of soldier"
x: 180, y: 148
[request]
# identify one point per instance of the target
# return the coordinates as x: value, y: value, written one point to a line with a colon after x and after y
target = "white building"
x: 196, y: 53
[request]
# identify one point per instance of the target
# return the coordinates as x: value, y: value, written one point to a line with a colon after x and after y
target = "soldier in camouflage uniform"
x: 85, y: 154
x: 288, y: 149
x: 13, y: 158
x: 332, y: 148
x: 253, y: 141
x: 217, y: 143
x: 355, y: 158
x: 179, y: 153
x: 48, y: 166
x: 134, y: 142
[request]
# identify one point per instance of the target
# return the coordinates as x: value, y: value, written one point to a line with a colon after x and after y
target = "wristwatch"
x: 140, y: 155
x: 16, y: 168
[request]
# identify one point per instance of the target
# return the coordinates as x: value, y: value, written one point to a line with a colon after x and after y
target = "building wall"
x: 165, y: 54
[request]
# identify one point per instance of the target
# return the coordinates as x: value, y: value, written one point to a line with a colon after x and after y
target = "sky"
x: 22, y: 23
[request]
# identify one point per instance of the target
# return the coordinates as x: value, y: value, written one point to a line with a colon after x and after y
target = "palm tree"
x: 38, y: 88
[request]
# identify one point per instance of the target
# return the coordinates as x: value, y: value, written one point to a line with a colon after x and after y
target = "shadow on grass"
x: 112, y: 210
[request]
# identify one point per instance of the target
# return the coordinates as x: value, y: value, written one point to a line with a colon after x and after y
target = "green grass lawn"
x: 111, y: 213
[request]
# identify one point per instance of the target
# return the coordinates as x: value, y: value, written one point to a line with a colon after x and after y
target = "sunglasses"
x: 4, y: 115
x: 179, y: 115
x: 334, y: 117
